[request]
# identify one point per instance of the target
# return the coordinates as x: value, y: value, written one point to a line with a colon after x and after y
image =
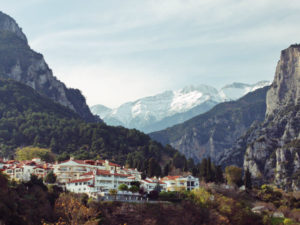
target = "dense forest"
x: 29, y: 119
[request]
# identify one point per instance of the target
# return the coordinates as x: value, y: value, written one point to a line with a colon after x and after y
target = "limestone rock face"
x: 285, y: 88
x: 271, y: 149
x: 19, y: 62
x: 274, y: 155
x: 9, y: 24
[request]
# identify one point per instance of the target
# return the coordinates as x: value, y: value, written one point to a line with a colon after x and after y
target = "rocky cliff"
x: 285, y: 89
x: 19, y: 62
x: 273, y: 150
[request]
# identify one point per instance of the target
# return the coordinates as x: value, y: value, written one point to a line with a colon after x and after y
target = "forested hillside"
x: 27, y: 118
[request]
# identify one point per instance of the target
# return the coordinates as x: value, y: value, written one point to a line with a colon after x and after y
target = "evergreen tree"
x: 203, y: 169
x: 185, y: 166
x: 190, y: 164
x: 219, y: 178
x: 210, y: 171
x: 153, y: 168
x: 166, y: 169
x: 247, y: 180
x: 50, y: 178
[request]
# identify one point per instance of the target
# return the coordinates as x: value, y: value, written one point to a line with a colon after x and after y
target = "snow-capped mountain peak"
x: 172, y: 107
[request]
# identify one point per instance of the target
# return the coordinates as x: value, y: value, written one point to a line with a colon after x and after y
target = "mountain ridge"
x: 169, y: 108
x: 208, y: 134
x: 19, y: 62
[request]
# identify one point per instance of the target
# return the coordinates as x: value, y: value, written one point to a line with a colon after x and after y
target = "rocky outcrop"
x: 285, y: 89
x: 274, y: 153
x: 271, y: 150
x: 19, y: 62
x: 9, y: 24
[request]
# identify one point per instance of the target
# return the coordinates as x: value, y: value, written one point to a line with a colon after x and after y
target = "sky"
x: 116, y: 51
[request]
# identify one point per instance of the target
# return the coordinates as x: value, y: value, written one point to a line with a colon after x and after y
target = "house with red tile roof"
x: 24, y: 169
x: 98, y: 181
x: 150, y: 184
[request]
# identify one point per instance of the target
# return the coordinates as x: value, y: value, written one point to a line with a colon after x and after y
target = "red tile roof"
x: 113, y: 164
x: 170, y: 177
x: 80, y: 180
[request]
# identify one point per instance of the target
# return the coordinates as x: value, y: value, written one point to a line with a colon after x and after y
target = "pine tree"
x: 203, y: 169
x: 210, y: 171
x: 166, y: 169
x: 247, y: 180
x: 219, y: 178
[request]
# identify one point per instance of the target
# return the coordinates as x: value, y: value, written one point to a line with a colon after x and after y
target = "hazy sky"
x: 120, y: 50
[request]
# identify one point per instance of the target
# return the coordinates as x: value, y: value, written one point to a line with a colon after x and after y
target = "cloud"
x: 140, y: 48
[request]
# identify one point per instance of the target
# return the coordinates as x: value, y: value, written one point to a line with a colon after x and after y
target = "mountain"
x: 28, y: 118
x: 207, y: 135
x: 19, y: 62
x: 236, y: 90
x: 271, y: 149
x: 171, y: 107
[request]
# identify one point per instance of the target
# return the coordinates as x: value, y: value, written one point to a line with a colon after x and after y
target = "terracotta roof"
x: 113, y: 164
x: 154, y: 182
x: 87, y: 174
x: 170, y: 177
x: 10, y: 161
x: 98, y: 173
x: 80, y: 180
x: 121, y: 175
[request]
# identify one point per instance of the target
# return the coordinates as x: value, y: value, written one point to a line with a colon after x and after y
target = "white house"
x: 98, y: 181
x: 176, y: 183
x: 72, y: 169
x: 149, y: 184
x: 23, y: 170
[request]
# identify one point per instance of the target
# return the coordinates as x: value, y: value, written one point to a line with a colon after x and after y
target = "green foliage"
x: 27, y: 202
x: 135, y: 183
x: 233, y: 175
x: 123, y: 187
x: 134, y: 189
x: 113, y: 192
x: 50, y: 178
x: 154, y: 168
x: 268, y: 194
x: 208, y: 171
x: 28, y: 153
x: 287, y: 221
x: 202, y: 197
x: 247, y: 180
x: 166, y: 169
x: 28, y: 119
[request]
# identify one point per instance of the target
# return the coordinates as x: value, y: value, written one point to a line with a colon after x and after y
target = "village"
x: 99, y: 179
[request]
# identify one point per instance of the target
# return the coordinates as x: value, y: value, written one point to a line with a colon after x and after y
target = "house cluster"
x: 94, y: 176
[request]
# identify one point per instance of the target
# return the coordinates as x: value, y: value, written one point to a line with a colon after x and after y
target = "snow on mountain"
x: 237, y: 90
x: 100, y: 110
x: 166, y: 108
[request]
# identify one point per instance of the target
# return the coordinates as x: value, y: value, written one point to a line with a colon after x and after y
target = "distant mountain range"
x: 171, y: 107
